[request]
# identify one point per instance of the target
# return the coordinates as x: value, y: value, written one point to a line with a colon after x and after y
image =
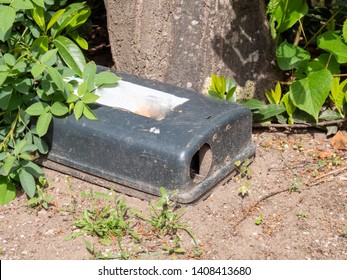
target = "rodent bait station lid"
x: 151, y: 134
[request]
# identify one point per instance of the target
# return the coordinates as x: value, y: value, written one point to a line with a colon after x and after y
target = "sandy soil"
x: 308, y: 222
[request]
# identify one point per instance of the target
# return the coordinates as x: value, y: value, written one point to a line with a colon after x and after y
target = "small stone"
x: 24, y: 252
x: 49, y: 232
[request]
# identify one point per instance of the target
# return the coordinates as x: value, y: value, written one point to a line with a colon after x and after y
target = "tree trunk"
x: 184, y: 42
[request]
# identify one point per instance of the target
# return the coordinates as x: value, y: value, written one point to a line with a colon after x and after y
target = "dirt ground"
x: 308, y: 222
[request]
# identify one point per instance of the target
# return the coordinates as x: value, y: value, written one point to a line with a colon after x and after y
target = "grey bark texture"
x: 182, y: 42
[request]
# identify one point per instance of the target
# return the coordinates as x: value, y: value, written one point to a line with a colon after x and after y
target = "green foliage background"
x: 41, y: 58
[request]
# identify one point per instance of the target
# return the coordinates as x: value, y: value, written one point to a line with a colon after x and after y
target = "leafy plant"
x: 223, y: 88
x: 244, y: 189
x: 315, y: 90
x: 104, y: 223
x: 166, y: 219
x: 40, y: 56
x: 41, y: 199
x: 296, y: 185
x: 302, y: 214
x: 259, y: 220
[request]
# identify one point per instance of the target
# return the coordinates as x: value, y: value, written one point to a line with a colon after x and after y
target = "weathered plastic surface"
x: 190, y: 150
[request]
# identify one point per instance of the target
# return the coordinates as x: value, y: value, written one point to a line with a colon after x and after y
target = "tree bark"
x: 184, y: 42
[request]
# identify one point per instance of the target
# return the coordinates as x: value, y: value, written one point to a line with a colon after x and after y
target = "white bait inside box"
x: 151, y: 134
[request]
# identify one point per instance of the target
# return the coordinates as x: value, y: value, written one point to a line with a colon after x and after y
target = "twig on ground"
x: 298, y: 125
x: 250, y: 209
x: 322, y: 179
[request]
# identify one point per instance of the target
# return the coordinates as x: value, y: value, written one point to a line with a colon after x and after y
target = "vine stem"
x: 301, y: 125
x: 323, y: 26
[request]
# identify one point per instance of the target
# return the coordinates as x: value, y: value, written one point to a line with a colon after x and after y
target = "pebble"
x: 24, y: 252
x: 49, y: 232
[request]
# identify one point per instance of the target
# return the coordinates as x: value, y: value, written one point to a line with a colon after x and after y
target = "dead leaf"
x: 339, y: 141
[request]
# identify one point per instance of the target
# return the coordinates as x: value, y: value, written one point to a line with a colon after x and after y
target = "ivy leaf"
x: 28, y: 182
x: 71, y: 54
x: 43, y: 123
x: 332, y: 43
x: 7, y: 18
x: 309, y: 94
x: 7, y: 190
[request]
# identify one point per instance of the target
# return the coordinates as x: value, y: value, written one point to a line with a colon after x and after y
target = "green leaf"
x: 40, y: 45
x: 323, y: 61
x: 59, y: 109
x: 89, y: 98
x: 40, y: 3
x: 9, y: 59
x: 79, y: 18
x: 43, y: 123
x: 71, y: 54
x: 7, y: 190
x: 331, y: 42
x: 290, y: 107
x: 288, y: 12
x: 7, y: 18
x: 49, y: 58
x: 274, y: 97
x: 106, y: 78
x: 19, y: 147
x: 24, y: 85
x: 329, y: 115
x: 28, y: 182
x: 5, y: 97
x: 54, y: 18
x: 79, y: 40
x: 41, y: 145
x: 344, y: 31
x: 78, y: 110
x: 38, y: 14
x: 22, y: 4
x: 309, y: 94
x: 33, y: 168
x: 88, y: 113
x: 37, y: 109
x: 218, y: 85
x: 37, y: 69
x: 9, y: 162
x: 290, y: 56
x: 88, y: 75
x: 56, y: 77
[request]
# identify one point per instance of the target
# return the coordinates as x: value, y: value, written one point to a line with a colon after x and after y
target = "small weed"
x: 302, y: 214
x: 41, y: 200
x: 176, y: 249
x: 296, y: 185
x: 104, y: 223
x: 243, y: 168
x: 244, y: 189
x: 165, y: 217
x: 259, y: 220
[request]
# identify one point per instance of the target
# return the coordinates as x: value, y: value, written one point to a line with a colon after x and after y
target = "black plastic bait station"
x: 149, y: 134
